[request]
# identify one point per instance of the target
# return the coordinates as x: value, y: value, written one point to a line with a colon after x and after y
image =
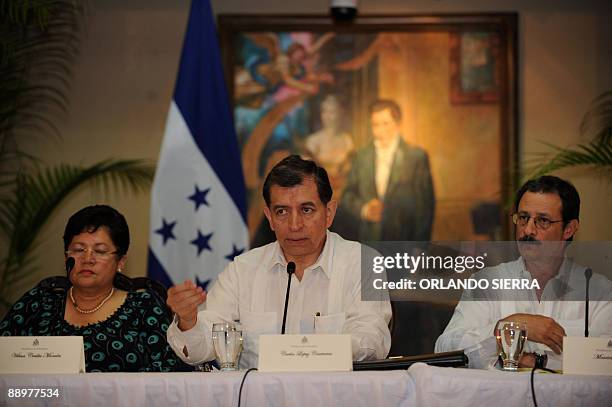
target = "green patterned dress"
x: 133, y: 339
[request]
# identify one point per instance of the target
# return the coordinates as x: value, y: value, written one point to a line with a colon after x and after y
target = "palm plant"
x: 38, y: 45
x: 596, y: 154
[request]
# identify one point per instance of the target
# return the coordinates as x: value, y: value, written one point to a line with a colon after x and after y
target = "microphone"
x: 587, y: 275
x: 69, y: 265
x: 290, y: 271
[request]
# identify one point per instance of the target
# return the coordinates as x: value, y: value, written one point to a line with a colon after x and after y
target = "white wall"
x: 129, y: 55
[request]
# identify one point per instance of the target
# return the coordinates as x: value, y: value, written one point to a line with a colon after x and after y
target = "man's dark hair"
x: 570, y: 200
x: 91, y: 218
x: 292, y: 171
x: 384, y: 104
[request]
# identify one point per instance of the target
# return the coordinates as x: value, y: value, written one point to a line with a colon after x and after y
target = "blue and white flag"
x: 198, y: 205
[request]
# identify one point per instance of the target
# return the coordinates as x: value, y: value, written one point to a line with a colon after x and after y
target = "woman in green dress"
x: 122, y: 330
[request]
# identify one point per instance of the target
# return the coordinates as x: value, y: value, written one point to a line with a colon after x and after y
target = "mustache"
x: 528, y: 238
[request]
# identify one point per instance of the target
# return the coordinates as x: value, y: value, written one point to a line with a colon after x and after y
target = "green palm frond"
x: 596, y: 155
x: 597, y: 122
x: 37, y: 196
x: 38, y: 44
x: 19, y: 12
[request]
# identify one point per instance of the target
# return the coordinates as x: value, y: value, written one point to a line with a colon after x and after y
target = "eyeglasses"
x: 541, y: 222
x: 79, y: 253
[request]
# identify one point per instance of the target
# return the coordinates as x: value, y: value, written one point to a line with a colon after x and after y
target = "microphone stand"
x: 587, y: 275
x: 290, y: 271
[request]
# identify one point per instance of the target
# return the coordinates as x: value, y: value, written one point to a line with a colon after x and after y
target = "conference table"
x: 420, y: 385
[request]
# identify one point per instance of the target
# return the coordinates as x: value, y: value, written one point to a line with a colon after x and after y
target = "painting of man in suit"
x: 389, y: 191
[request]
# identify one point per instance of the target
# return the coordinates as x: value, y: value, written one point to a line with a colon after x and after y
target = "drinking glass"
x: 511, y: 337
x: 228, y: 345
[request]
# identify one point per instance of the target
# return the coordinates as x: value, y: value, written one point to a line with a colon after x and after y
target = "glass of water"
x: 511, y: 337
x: 228, y: 345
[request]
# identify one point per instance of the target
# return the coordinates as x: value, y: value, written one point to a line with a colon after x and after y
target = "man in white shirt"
x: 325, y: 292
x: 389, y: 191
x: 547, y: 216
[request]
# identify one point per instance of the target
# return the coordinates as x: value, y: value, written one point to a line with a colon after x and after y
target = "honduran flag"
x: 198, y: 205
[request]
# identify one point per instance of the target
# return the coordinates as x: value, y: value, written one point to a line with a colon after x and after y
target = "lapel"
x: 369, y: 172
x: 398, y: 167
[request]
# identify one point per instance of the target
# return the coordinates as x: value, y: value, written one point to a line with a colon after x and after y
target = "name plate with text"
x: 305, y: 353
x: 42, y: 354
x: 591, y: 356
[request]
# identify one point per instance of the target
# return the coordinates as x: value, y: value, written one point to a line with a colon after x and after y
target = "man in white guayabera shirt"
x: 546, y: 218
x: 325, y: 292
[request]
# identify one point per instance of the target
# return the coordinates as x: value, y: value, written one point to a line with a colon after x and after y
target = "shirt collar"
x: 562, y: 273
x: 391, y: 147
x: 324, y: 262
x: 558, y: 286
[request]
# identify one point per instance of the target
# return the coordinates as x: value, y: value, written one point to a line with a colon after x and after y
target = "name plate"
x: 42, y: 354
x: 305, y: 353
x: 591, y: 356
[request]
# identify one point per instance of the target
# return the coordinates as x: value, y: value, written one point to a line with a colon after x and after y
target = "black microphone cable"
x: 533, y: 396
x: 242, y: 383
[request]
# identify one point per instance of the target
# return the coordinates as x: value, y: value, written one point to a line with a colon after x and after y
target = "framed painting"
x: 474, y: 67
x: 446, y: 84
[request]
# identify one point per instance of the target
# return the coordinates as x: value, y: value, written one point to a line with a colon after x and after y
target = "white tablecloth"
x: 421, y: 385
x: 393, y: 388
x: 438, y: 386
